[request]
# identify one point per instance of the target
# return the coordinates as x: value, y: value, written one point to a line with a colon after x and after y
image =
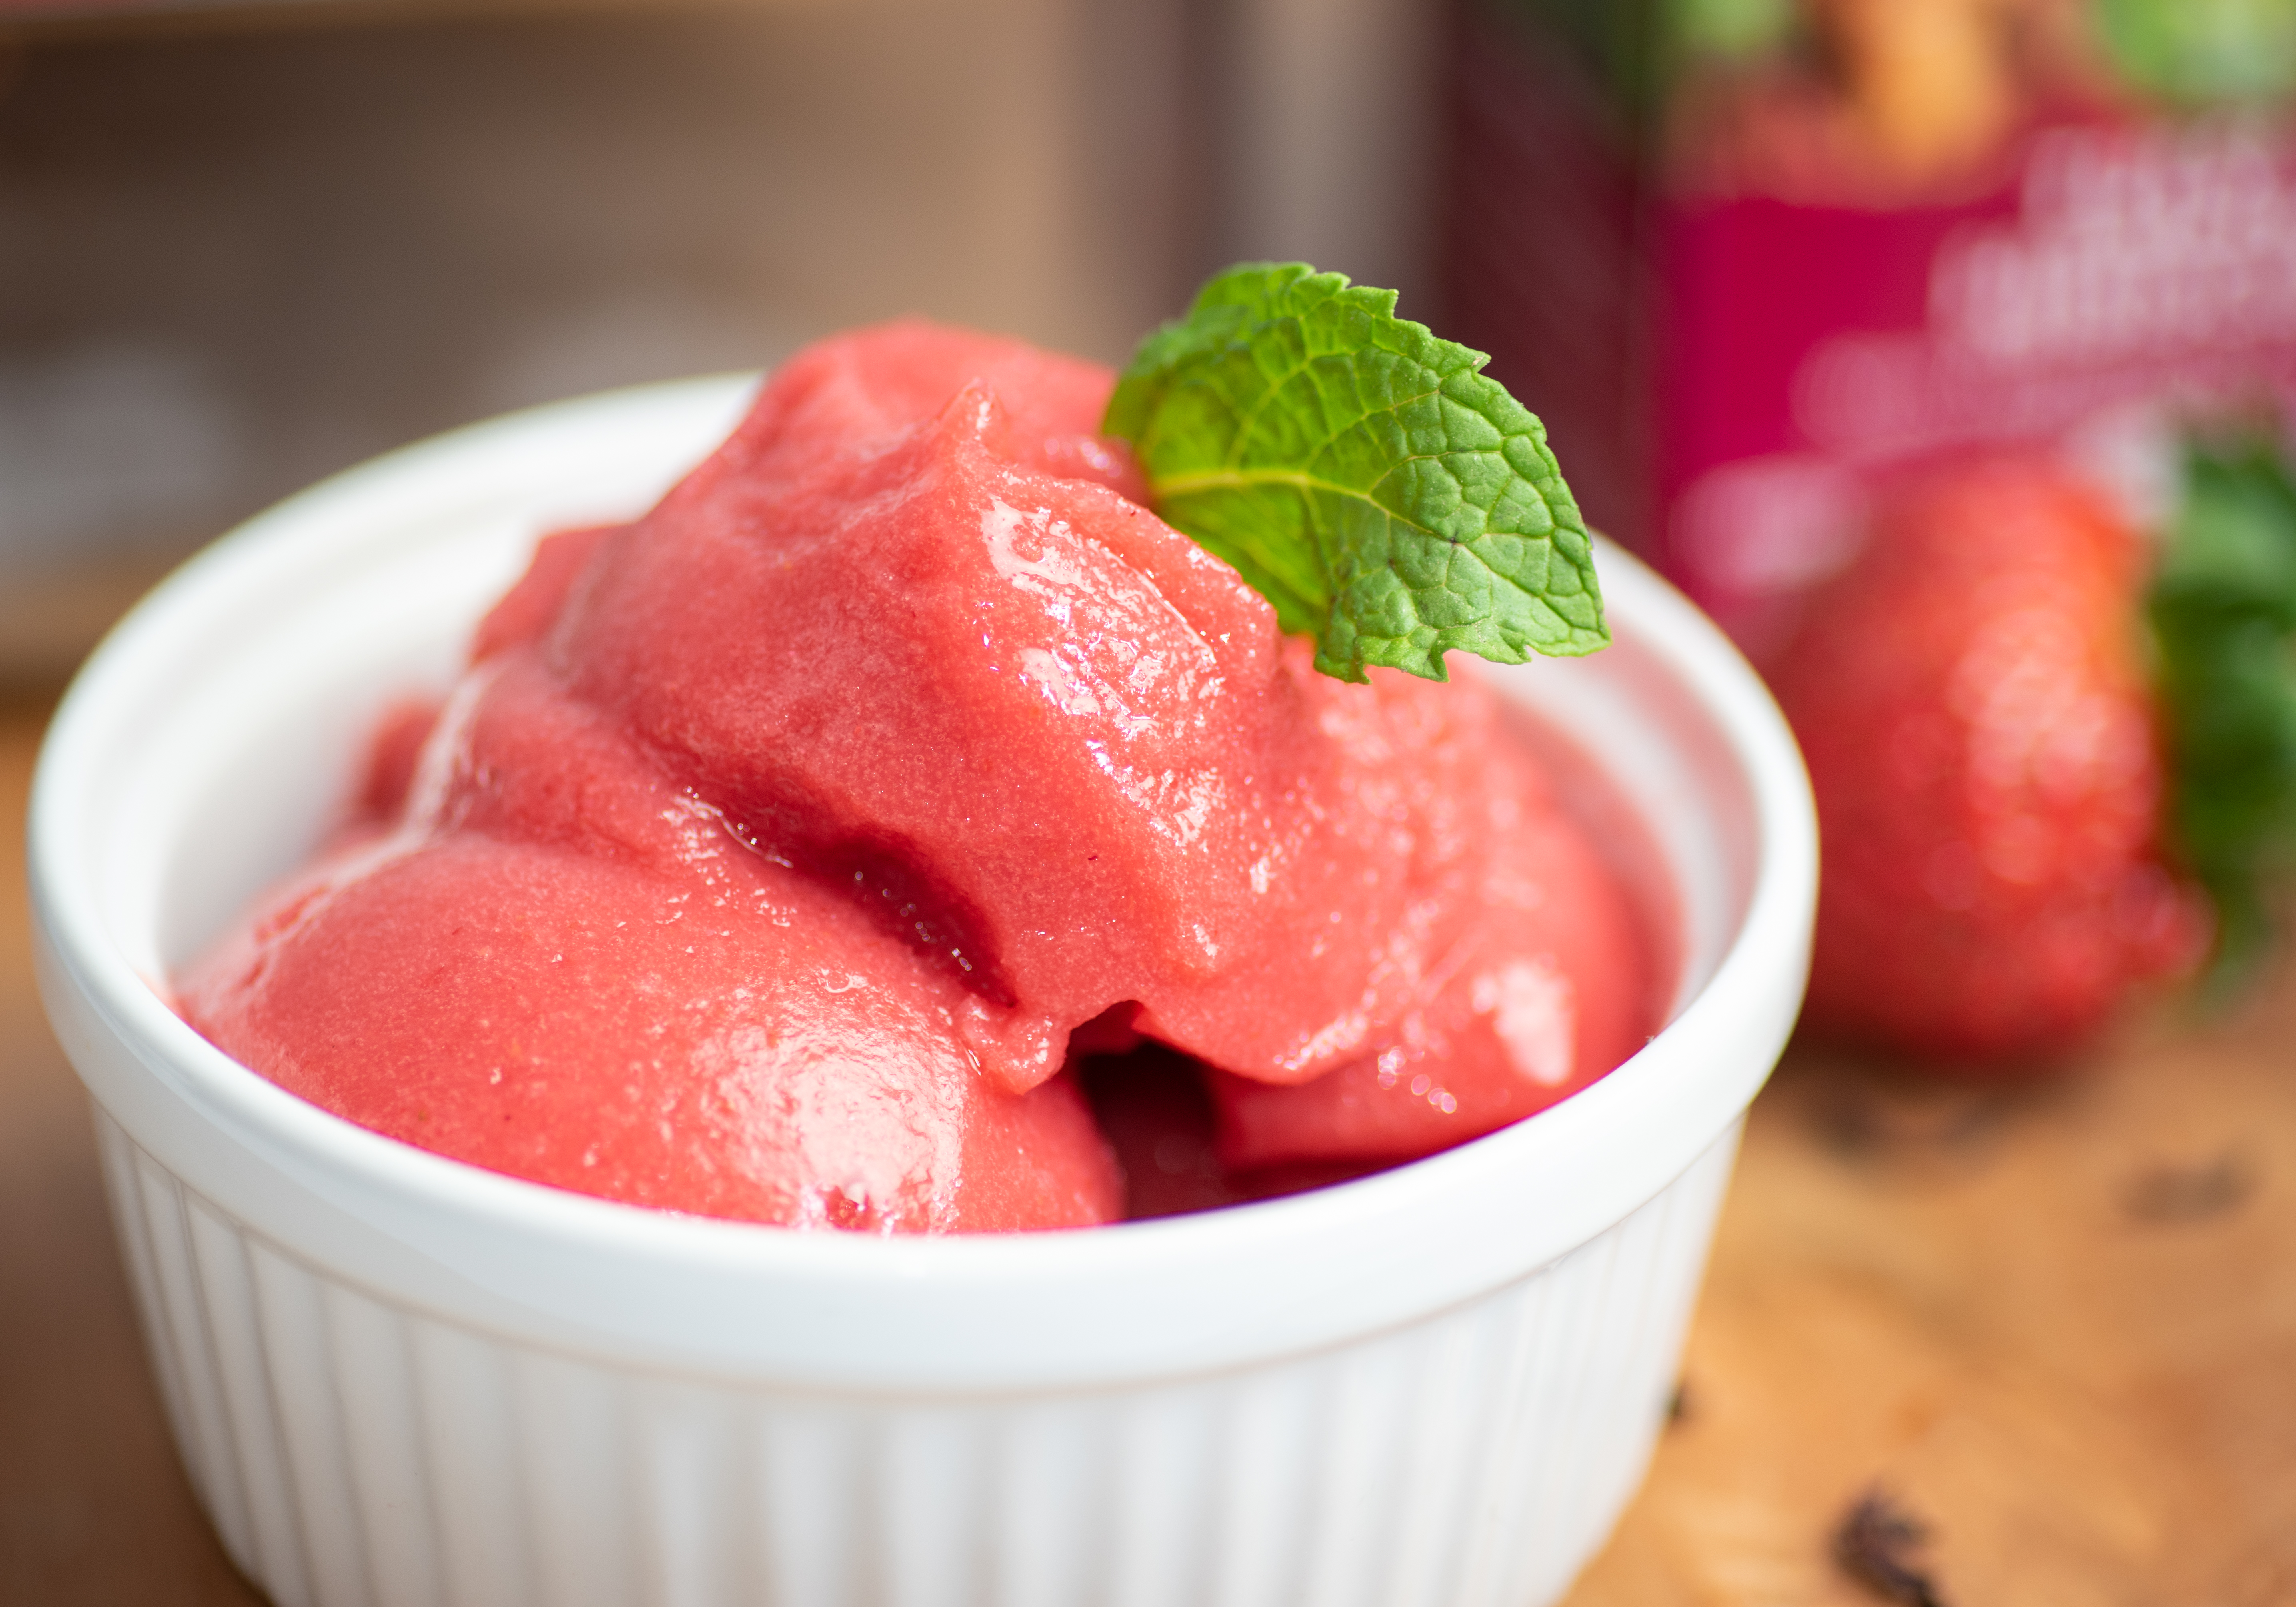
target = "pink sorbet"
x: 775, y: 846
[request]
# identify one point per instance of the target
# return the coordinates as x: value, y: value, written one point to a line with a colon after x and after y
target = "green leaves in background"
x: 1361, y: 474
x: 1734, y: 31
x: 2203, y: 51
x: 2223, y: 609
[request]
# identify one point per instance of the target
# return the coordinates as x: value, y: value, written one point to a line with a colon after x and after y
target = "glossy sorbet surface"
x: 800, y: 851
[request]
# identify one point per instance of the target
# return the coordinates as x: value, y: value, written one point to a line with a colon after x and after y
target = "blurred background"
x: 246, y: 243
x: 243, y: 245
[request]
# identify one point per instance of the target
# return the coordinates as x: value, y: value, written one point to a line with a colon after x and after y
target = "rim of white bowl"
x: 1075, y: 1308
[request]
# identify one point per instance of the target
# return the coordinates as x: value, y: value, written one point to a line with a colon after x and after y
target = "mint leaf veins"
x: 1362, y: 474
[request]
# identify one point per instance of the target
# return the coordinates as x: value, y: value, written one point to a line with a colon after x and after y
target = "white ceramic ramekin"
x: 396, y: 1379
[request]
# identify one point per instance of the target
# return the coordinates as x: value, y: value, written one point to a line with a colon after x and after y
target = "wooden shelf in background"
x: 39, y: 21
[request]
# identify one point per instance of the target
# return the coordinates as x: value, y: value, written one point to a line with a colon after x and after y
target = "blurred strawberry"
x: 1971, y: 699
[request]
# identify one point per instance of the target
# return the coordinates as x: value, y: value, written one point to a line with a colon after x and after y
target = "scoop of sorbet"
x: 774, y: 845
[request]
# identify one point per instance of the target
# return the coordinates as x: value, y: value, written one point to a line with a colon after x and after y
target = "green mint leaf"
x: 2223, y: 612
x: 1361, y: 474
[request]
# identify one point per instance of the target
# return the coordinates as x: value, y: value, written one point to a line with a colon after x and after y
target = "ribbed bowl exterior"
x: 355, y: 1452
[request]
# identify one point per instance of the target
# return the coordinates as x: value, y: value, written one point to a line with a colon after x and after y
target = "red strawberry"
x: 1971, y: 704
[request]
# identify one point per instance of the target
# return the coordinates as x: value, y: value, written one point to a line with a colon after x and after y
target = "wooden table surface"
x: 2057, y: 1325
